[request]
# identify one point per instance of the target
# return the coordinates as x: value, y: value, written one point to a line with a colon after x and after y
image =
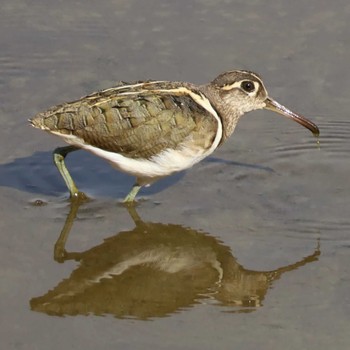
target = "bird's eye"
x: 248, y: 86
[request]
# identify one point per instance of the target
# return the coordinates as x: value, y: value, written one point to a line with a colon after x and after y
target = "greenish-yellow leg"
x: 132, y: 194
x: 58, y: 156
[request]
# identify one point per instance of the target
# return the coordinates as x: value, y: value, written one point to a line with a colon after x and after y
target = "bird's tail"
x: 38, y: 121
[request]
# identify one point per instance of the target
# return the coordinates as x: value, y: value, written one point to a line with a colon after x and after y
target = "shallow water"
x: 249, y: 249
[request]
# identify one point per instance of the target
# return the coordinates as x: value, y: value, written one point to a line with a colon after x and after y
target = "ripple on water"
x: 330, y: 230
x: 334, y: 141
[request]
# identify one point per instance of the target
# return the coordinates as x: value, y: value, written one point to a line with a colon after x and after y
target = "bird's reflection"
x: 155, y: 270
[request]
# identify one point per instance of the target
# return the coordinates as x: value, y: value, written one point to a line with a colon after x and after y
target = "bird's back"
x: 137, y: 120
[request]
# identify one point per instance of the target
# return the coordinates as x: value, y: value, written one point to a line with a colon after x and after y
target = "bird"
x: 151, y: 129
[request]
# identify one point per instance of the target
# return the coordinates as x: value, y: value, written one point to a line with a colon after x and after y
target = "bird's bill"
x: 274, y: 106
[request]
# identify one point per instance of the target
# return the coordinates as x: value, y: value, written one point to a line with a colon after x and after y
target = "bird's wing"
x: 138, y: 121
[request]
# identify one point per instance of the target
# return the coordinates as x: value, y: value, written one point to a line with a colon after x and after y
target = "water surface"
x: 249, y: 249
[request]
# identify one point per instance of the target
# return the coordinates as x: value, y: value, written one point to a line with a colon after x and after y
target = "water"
x: 249, y: 249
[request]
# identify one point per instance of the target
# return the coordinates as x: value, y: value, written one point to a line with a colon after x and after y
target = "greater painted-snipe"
x: 155, y: 128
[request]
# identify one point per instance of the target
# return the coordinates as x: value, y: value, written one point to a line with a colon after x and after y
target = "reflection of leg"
x: 133, y: 213
x: 132, y: 194
x: 60, y: 254
x: 59, y: 154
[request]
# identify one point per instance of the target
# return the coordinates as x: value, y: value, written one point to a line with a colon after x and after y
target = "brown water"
x: 247, y: 250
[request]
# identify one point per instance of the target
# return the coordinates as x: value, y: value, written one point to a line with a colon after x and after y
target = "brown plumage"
x: 152, y: 129
x: 140, y: 125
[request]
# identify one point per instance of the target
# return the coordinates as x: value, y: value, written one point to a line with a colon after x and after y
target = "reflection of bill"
x: 155, y: 270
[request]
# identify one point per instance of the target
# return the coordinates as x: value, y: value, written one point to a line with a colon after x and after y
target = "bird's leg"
x: 132, y: 194
x: 58, y: 157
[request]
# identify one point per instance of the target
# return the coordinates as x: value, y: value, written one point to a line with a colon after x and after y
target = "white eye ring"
x: 248, y: 86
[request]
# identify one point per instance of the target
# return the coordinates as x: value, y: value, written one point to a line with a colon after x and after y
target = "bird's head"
x: 236, y: 92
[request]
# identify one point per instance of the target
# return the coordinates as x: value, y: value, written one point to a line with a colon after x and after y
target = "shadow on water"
x: 155, y: 270
x: 37, y: 174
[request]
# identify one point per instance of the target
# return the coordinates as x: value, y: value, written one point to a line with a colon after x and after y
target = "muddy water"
x: 249, y: 249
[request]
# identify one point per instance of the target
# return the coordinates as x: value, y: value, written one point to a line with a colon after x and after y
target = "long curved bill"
x: 274, y: 106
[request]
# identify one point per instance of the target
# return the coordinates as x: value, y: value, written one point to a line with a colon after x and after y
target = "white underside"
x: 166, y: 162
x: 147, y: 170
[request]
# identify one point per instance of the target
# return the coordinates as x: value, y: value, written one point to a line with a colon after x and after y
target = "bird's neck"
x: 228, y: 113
